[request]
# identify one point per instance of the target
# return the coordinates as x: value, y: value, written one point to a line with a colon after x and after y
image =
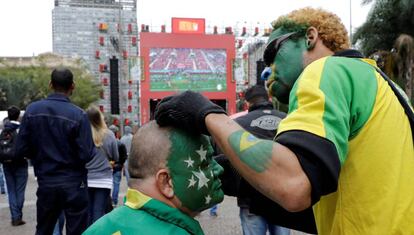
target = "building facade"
x: 104, y: 34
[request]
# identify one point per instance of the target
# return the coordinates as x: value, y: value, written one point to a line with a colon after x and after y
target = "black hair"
x: 13, y: 113
x: 62, y: 79
x: 256, y: 93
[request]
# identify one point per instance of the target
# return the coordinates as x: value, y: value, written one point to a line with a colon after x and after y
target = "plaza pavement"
x: 226, y: 223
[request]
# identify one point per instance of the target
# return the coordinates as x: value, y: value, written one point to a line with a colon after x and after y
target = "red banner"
x: 188, y: 25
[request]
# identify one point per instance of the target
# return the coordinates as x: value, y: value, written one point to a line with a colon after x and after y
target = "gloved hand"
x: 186, y: 111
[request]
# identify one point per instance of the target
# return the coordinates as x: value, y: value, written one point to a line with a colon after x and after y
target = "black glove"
x: 186, y: 111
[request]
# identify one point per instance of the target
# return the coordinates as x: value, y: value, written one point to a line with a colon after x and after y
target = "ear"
x: 164, y: 183
x: 312, y: 37
x: 50, y: 85
x: 72, y: 87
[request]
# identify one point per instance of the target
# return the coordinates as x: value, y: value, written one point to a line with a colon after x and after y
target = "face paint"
x: 284, y: 54
x: 288, y: 67
x: 194, y: 172
x: 252, y: 151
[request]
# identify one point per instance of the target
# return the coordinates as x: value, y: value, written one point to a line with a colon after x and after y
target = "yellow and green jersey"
x: 354, y: 142
x: 144, y: 215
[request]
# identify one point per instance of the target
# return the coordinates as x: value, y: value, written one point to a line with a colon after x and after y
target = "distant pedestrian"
x: 56, y: 135
x: 117, y: 167
x: 15, y: 171
x: 2, y: 181
x: 100, y: 167
x: 3, y: 188
x: 127, y: 140
x: 262, y: 120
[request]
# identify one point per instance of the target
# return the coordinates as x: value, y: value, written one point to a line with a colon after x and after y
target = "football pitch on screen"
x: 206, y: 82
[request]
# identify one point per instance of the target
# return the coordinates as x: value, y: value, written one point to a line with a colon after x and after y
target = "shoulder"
x: 110, y: 136
x: 125, y: 220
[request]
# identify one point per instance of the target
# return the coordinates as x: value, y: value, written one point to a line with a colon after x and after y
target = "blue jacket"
x: 56, y: 135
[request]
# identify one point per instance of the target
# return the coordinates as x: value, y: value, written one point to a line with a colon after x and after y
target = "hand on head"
x: 175, y: 167
x: 186, y: 111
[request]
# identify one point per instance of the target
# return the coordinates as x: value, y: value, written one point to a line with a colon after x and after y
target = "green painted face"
x: 287, y: 63
x: 194, y: 172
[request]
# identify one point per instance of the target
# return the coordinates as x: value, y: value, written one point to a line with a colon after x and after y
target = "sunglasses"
x: 273, y: 47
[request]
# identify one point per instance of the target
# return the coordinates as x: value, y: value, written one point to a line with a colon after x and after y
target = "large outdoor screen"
x: 178, y: 69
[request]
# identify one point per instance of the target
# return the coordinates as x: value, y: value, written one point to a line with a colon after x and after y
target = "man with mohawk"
x: 346, y: 145
x: 172, y: 178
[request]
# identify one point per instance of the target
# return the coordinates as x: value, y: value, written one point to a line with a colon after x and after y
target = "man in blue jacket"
x: 56, y: 135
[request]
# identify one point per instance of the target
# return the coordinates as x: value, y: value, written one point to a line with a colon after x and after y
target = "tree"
x: 388, y: 31
x: 404, y: 59
x: 385, y: 22
x: 23, y: 85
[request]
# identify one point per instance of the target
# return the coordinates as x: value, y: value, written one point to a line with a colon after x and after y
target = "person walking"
x: 262, y: 120
x: 100, y: 167
x: 15, y: 171
x: 117, y: 167
x: 56, y: 135
x: 3, y: 188
x: 126, y: 139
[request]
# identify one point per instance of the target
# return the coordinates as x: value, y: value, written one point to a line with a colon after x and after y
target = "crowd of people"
x: 77, y: 160
x: 340, y: 162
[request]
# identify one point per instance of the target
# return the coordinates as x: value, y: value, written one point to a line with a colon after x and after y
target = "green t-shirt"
x: 144, y: 215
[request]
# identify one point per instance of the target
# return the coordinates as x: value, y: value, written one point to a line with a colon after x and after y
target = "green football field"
x: 199, y: 82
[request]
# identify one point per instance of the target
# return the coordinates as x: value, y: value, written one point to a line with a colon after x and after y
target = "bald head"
x: 149, y: 150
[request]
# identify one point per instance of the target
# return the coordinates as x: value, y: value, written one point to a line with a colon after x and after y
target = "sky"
x: 26, y: 25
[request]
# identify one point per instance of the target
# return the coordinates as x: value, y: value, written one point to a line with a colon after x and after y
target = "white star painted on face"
x: 208, y: 199
x: 189, y: 162
x: 192, y: 182
x: 202, y: 179
x: 202, y: 153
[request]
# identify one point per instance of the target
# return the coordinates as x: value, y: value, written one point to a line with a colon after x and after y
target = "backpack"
x: 7, y: 141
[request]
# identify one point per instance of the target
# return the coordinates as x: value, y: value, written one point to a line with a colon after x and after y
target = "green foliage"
x: 86, y: 90
x: 23, y: 85
x: 385, y: 22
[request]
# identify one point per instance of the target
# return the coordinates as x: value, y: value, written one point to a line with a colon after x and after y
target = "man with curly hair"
x: 346, y: 146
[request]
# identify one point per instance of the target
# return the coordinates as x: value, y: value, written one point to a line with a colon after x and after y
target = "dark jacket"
x: 15, y: 162
x: 56, y: 135
x: 262, y: 120
x: 122, y: 151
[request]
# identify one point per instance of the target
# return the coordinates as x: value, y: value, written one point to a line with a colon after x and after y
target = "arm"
x: 272, y: 168
x: 22, y: 142
x: 114, y: 149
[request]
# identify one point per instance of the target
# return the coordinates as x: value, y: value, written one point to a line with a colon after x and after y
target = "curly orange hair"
x: 329, y: 26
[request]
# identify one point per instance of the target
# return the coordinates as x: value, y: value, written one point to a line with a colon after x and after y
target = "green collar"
x: 139, y: 201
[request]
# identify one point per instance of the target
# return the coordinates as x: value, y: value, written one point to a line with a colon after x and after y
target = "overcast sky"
x: 26, y: 25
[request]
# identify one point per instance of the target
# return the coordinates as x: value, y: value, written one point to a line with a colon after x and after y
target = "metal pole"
x: 121, y: 72
x: 350, y: 20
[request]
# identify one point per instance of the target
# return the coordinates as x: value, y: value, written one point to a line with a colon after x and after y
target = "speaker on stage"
x: 114, y: 84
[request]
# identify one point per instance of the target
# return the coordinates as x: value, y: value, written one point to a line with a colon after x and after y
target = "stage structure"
x: 186, y: 59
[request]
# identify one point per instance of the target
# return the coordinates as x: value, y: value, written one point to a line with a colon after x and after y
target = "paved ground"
x: 226, y: 223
